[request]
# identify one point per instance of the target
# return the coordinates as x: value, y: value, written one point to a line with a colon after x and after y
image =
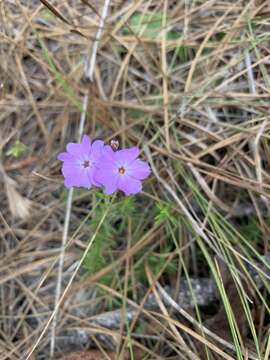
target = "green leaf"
x: 164, y: 213
x: 17, y: 150
x: 114, y: 227
x: 149, y: 26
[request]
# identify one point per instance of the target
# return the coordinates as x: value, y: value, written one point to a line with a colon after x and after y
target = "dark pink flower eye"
x: 86, y: 163
x: 121, y: 170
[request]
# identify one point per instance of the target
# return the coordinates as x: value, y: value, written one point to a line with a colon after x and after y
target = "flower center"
x: 121, y: 170
x: 86, y: 164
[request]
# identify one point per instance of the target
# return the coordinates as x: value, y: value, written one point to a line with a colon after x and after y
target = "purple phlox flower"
x: 121, y: 170
x: 80, y: 162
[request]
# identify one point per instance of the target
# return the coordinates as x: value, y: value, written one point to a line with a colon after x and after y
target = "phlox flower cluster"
x: 89, y: 164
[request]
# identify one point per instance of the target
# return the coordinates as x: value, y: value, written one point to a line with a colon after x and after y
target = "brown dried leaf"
x: 18, y: 204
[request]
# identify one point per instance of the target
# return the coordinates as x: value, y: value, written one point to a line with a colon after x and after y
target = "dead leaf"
x: 18, y: 204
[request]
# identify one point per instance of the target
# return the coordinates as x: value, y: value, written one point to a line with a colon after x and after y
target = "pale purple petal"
x: 77, y: 178
x: 70, y: 169
x: 108, y: 154
x: 69, y: 182
x: 97, y: 147
x: 86, y: 144
x: 111, y: 187
x: 127, y: 155
x: 106, y: 160
x: 91, y: 176
x: 104, y: 177
x: 75, y: 149
x: 72, y: 180
x: 84, y: 180
x: 108, y: 180
x: 139, y: 169
x: 107, y: 150
x: 77, y: 175
x: 106, y: 163
x: 129, y: 185
x: 64, y: 156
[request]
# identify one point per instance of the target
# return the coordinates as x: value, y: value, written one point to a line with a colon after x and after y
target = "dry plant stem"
x: 218, y: 133
x: 267, y: 351
x: 91, y: 64
x: 198, y: 337
x: 165, y: 312
x: 187, y: 316
x: 124, y: 306
x: 60, y: 269
x: 112, y: 319
x: 89, y: 71
x: 164, y: 71
x: 199, y: 231
x: 255, y: 142
x: 203, y: 290
x: 199, y: 52
x: 68, y: 285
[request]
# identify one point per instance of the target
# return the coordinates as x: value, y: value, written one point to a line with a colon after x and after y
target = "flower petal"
x: 69, y: 182
x: 75, y: 175
x: 86, y: 142
x: 111, y: 187
x: 107, y: 179
x: 108, y: 149
x: 84, y: 180
x: 102, y: 176
x: 139, y: 169
x: 97, y: 147
x: 127, y: 155
x: 129, y: 185
x: 91, y: 175
x: 108, y: 153
x: 71, y: 179
x: 64, y: 156
x: 72, y: 168
x: 75, y: 149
